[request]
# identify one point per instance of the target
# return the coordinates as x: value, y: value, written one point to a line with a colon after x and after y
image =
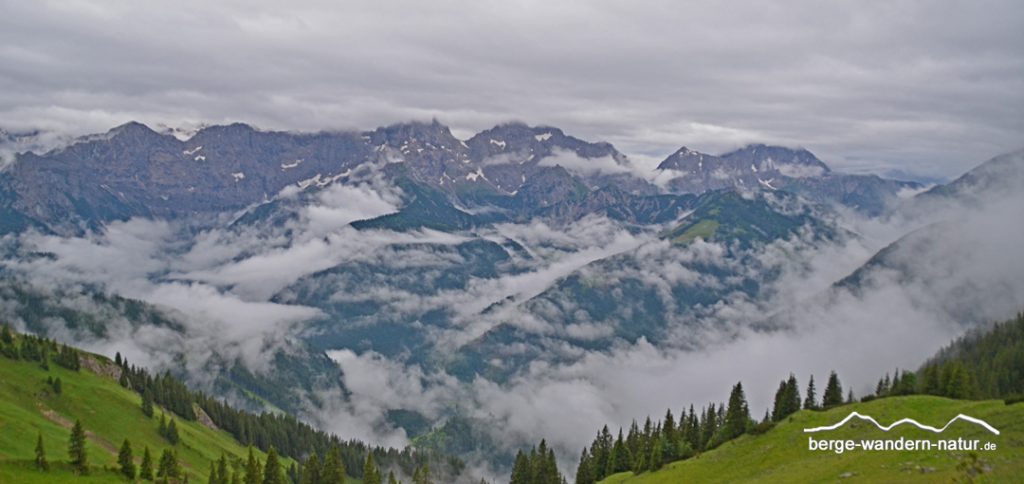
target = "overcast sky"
x: 926, y: 87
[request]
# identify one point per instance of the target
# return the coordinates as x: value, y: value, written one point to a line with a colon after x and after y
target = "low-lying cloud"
x: 950, y: 269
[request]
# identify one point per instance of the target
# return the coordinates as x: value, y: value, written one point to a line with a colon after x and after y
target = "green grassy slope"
x: 109, y: 414
x: 782, y: 455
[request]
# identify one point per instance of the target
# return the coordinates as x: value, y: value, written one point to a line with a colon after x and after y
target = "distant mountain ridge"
x: 133, y: 170
x: 763, y: 167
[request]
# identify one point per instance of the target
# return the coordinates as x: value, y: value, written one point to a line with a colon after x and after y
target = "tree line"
x: 167, y: 469
x: 284, y: 434
x: 649, y: 447
x: 987, y: 362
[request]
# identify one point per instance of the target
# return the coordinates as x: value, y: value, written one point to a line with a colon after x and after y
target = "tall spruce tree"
x: 41, y: 462
x: 125, y: 461
x: 272, y: 471
x: 833, y: 392
x: 333, y: 470
x: 371, y: 473
x: 76, y: 449
x: 655, y: 461
x: 146, y: 467
x: 620, y: 460
x: 811, y: 402
x: 738, y: 415
x: 422, y: 475
x: 521, y: 472
x: 168, y: 467
x: 222, y: 470
x: 311, y: 470
x: 147, y: 403
x: 585, y: 470
x: 253, y: 471
x: 172, y: 433
x: 602, y: 450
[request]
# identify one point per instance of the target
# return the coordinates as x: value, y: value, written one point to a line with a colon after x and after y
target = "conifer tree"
x: 833, y: 392
x: 693, y: 428
x: 738, y: 414
x: 147, y: 403
x: 222, y: 470
x: 58, y: 387
x: 931, y: 381
x: 311, y: 470
x: 76, y: 449
x: 391, y: 478
x: 272, y: 468
x: 172, y: 433
x: 146, y: 468
x: 585, y: 471
x: 779, y: 406
x: 670, y: 434
x: 125, y: 460
x: 908, y: 385
x: 41, y: 462
x: 655, y: 457
x: 521, y: 473
x: 371, y: 474
x: 619, y: 460
x: 253, y: 472
x: 421, y: 475
x: 333, y: 471
x: 811, y: 402
x: 551, y: 469
x: 168, y: 467
x: 602, y: 450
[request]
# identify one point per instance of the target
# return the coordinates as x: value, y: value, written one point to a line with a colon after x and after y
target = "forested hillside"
x: 992, y: 359
x: 985, y: 363
x: 71, y: 415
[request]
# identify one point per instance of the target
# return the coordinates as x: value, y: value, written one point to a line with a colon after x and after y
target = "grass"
x: 782, y: 455
x: 703, y: 229
x: 109, y: 413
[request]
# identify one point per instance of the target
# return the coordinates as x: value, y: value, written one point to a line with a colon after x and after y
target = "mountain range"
x: 477, y: 260
x: 133, y: 170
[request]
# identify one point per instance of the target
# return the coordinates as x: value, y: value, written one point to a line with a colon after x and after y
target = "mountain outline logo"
x: 966, y: 418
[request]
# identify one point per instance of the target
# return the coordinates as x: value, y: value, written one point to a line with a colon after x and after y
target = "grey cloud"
x: 920, y: 86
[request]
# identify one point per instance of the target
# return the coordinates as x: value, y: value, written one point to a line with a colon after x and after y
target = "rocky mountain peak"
x: 794, y: 163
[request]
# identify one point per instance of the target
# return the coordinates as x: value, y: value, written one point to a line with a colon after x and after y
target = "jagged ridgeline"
x: 133, y: 171
x: 47, y: 387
